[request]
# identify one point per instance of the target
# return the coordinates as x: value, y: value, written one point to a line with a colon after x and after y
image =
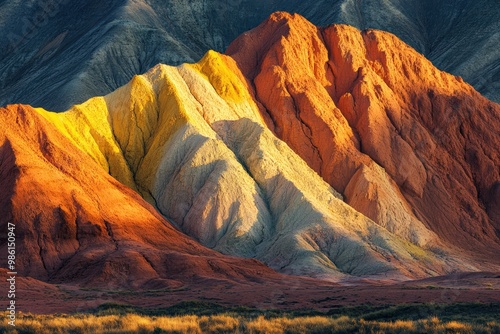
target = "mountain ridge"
x: 64, y: 54
x: 370, y: 76
x: 70, y: 234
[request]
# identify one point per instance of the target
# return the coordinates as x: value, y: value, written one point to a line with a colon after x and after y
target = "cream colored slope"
x: 192, y: 141
x: 260, y: 159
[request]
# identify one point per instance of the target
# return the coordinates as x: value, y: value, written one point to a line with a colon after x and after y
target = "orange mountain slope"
x: 404, y: 142
x: 76, y: 224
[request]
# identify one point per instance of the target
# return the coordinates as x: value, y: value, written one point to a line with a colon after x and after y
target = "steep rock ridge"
x: 458, y: 36
x: 192, y: 140
x: 372, y: 192
x: 77, y: 225
x: 58, y: 53
x: 343, y: 99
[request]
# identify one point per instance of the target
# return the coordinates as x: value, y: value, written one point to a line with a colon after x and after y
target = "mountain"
x: 75, y: 224
x: 58, y: 53
x: 191, y: 141
x: 326, y: 152
x: 350, y: 102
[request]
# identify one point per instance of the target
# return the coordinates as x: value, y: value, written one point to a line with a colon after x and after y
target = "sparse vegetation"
x: 112, y: 318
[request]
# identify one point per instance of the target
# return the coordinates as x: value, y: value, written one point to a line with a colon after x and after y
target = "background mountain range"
x: 57, y: 53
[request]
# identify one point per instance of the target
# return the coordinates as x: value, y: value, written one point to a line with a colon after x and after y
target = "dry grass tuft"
x: 219, y: 324
x: 226, y: 323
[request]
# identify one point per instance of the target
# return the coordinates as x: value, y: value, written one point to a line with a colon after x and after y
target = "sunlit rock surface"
x: 75, y: 224
x: 346, y: 100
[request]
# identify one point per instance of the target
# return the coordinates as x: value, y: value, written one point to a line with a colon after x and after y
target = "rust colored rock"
x: 344, y: 98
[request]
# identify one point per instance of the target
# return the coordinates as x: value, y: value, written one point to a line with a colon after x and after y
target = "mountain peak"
x: 287, y: 18
x: 349, y: 98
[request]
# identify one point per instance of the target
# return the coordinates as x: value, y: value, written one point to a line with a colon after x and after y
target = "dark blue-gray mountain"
x: 56, y: 53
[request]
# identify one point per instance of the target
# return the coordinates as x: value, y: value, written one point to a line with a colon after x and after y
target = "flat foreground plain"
x: 460, y: 303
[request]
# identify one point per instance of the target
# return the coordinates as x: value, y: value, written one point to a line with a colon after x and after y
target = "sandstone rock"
x: 346, y: 100
x: 249, y: 154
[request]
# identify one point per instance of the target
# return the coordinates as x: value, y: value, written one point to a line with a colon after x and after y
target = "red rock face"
x: 343, y: 99
x: 76, y: 224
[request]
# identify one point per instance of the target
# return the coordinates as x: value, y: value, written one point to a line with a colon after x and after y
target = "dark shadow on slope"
x: 9, y: 173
